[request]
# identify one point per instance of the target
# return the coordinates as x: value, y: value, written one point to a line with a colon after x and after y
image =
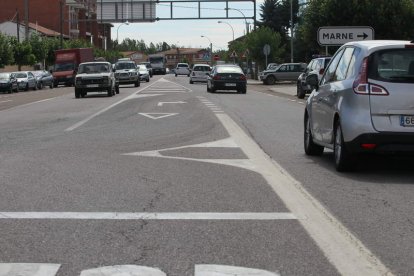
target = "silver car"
x: 182, y: 69
x: 26, y: 80
x: 364, y: 102
x: 199, y: 73
x: 284, y: 72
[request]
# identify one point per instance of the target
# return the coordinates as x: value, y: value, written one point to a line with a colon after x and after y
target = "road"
x: 167, y: 178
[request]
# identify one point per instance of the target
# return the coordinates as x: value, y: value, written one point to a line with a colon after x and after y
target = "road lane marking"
x: 146, y: 216
x: 162, y: 103
x: 123, y: 270
x: 6, y: 101
x: 225, y: 270
x: 156, y: 116
x: 28, y: 269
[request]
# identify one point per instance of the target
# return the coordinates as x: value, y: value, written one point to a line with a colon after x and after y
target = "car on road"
x: 284, y: 72
x: 95, y: 77
x: 126, y: 72
x: 199, y: 73
x: 364, y: 102
x: 26, y: 80
x: 182, y: 69
x: 227, y: 77
x: 43, y: 78
x: 315, y: 66
x: 149, y: 67
x: 8, y: 83
x: 272, y: 65
x: 143, y: 73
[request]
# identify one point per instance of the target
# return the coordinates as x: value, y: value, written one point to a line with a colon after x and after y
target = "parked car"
x: 272, y: 66
x: 149, y: 67
x: 8, y: 83
x: 126, y: 72
x: 199, y: 73
x: 226, y: 77
x: 95, y: 77
x: 143, y: 73
x: 364, y: 102
x: 182, y: 69
x: 26, y: 80
x: 284, y: 72
x: 316, y: 66
x: 43, y: 78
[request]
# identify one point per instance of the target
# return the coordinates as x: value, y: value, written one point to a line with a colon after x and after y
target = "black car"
x: 226, y: 77
x: 43, y: 78
x: 8, y: 83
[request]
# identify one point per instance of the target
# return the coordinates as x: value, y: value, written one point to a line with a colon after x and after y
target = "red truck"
x: 67, y: 62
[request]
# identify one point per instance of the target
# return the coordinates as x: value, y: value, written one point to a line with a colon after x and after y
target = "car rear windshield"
x: 182, y: 65
x: 229, y: 69
x: 125, y: 65
x: 21, y: 75
x: 202, y: 68
x: 396, y: 65
x: 4, y: 76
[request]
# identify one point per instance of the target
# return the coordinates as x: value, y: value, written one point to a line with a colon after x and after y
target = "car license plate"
x: 230, y: 84
x: 92, y: 85
x: 407, y: 121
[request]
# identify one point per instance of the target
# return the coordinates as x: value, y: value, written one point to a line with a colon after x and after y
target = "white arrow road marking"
x: 156, y: 116
x: 28, y: 269
x: 145, y: 216
x: 224, y: 270
x: 6, y: 101
x: 162, y: 103
x: 123, y: 270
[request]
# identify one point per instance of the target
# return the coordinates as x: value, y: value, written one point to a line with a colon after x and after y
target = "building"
x: 188, y: 55
x: 136, y: 56
x: 78, y: 18
x: 10, y: 28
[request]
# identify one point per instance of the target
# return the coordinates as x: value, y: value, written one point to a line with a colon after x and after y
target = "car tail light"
x: 193, y: 74
x: 242, y: 77
x: 363, y: 87
x: 216, y: 77
x: 368, y: 146
x: 409, y: 45
x: 321, y: 71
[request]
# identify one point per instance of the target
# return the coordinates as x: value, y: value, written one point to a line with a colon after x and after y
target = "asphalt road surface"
x: 167, y: 179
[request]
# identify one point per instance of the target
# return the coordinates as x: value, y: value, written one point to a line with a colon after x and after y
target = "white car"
x: 144, y: 74
x: 200, y: 73
x: 182, y: 69
x: 95, y: 77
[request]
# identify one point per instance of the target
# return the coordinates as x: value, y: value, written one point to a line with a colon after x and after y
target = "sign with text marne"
x: 341, y: 35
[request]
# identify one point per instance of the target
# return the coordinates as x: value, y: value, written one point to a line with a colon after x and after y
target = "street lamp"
x: 117, y: 30
x: 232, y: 30
x: 211, y: 49
x: 245, y: 21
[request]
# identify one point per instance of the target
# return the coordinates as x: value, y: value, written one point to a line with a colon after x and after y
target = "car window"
x: 396, y: 65
x: 202, y: 68
x: 125, y: 65
x: 342, y: 69
x: 330, y: 71
x: 310, y: 66
x: 352, y: 70
x: 282, y: 68
x: 182, y: 65
x: 327, y: 60
x: 229, y: 69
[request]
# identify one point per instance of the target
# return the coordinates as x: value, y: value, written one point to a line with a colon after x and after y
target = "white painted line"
x: 6, y: 101
x: 28, y: 269
x: 162, y: 103
x: 156, y: 116
x: 146, y: 216
x: 340, y: 246
x: 123, y: 270
x: 225, y: 270
x: 79, y: 124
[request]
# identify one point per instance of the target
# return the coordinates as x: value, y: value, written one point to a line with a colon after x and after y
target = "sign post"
x: 329, y: 36
x: 266, y: 51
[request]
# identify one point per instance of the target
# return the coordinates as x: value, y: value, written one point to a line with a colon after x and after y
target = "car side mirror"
x: 312, y: 81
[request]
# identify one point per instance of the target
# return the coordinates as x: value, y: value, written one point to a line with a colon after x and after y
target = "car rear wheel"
x: 191, y: 81
x: 344, y: 160
x: 300, y: 93
x: 77, y: 93
x: 117, y: 89
x: 310, y: 147
x: 110, y: 92
x: 52, y: 85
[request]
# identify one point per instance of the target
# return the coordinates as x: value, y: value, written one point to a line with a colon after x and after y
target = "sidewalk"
x: 288, y: 88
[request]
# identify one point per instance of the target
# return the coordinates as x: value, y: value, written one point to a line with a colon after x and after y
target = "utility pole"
x: 291, y: 31
x: 26, y: 18
x: 18, y: 25
x: 61, y: 23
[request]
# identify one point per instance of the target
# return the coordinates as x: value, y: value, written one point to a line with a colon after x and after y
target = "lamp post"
x: 232, y: 30
x: 291, y: 31
x: 117, y: 30
x: 211, y: 49
x: 245, y: 21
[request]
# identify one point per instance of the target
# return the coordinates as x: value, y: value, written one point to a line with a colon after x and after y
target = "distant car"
x: 95, y: 77
x: 143, y: 73
x: 8, y: 83
x: 182, y: 69
x: 226, y: 77
x: 149, y: 67
x: 284, y: 72
x: 43, y: 78
x: 364, y: 102
x: 126, y: 72
x: 199, y: 73
x: 26, y: 80
x: 316, y: 66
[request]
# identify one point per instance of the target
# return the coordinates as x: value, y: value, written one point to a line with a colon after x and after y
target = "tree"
x: 39, y: 47
x: 23, y: 53
x: 6, y: 51
x: 391, y: 19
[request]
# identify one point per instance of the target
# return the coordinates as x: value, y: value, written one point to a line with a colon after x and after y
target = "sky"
x: 187, y: 33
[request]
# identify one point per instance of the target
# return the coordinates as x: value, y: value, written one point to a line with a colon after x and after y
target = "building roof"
x: 36, y: 27
x: 182, y: 51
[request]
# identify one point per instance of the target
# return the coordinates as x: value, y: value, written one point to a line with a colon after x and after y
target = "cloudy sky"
x: 187, y: 33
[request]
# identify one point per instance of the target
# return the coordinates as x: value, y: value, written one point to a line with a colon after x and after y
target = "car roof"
x: 375, y: 45
x: 202, y: 65
x: 96, y: 62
